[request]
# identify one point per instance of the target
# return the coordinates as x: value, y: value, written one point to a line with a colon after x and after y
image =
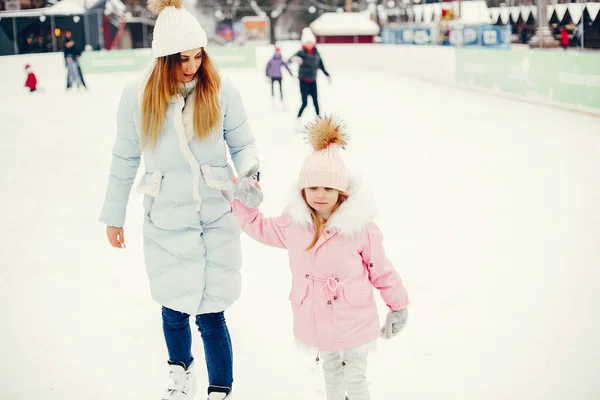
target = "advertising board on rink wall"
x: 486, y: 35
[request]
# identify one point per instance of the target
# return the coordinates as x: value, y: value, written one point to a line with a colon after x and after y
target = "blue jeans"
x: 217, y: 345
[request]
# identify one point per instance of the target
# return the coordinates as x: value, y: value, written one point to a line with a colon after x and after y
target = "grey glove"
x: 394, y: 323
x: 245, y: 189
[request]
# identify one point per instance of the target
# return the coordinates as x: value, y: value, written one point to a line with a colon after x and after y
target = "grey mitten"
x: 394, y: 323
x: 245, y: 189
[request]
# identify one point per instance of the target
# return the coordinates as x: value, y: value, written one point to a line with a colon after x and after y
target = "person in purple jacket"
x: 274, y: 71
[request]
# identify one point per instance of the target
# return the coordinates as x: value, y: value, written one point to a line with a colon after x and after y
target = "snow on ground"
x: 492, y: 222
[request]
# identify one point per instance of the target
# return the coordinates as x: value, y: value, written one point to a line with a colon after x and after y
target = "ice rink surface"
x: 493, y: 223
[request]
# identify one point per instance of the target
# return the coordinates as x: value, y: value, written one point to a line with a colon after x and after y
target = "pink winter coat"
x: 332, y: 284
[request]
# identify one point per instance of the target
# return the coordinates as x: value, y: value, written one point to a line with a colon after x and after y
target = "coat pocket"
x: 298, y: 294
x: 220, y: 178
x: 358, y: 297
x: 149, y: 186
x: 150, y: 183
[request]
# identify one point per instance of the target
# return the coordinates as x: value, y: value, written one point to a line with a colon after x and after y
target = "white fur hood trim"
x: 352, y: 216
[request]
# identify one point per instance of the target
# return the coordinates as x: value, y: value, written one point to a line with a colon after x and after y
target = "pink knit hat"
x: 325, y: 167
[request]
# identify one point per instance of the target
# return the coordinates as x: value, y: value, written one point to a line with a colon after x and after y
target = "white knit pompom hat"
x: 175, y: 29
x: 325, y: 166
x: 307, y: 36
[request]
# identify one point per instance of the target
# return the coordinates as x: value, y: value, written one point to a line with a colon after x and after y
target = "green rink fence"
x: 136, y: 60
x: 548, y: 76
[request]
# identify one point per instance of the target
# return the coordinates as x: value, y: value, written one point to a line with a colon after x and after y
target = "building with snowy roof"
x: 344, y: 27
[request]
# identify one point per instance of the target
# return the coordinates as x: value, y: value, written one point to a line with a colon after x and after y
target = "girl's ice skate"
x: 183, y: 383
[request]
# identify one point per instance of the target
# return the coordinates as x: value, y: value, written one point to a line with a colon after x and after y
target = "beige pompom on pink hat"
x: 325, y: 167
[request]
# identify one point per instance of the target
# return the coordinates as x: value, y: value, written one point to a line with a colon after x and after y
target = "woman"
x: 181, y: 117
x: 72, y: 55
x: 310, y: 62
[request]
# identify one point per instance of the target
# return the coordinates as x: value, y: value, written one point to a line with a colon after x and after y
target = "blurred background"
x: 37, y: 26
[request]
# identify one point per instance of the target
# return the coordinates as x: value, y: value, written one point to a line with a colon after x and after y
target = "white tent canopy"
x: 592, y: 9
x: 532, y: 11
x: 560, y: 10
x: 515, y: 12
x: 344, y: 24
x: 575, y: 11
x: 504, y: 14
x: 472, y: 12
x: 437, y: 11
x: 427, y: 13
x: 418, y: 13
x: 494, y: 14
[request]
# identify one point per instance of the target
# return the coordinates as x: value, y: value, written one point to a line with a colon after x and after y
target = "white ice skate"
x: 219, y: 396
x: 183, y: 383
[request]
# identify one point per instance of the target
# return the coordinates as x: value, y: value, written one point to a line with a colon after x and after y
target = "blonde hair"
x: 164, y: 83
x: 319, y: 223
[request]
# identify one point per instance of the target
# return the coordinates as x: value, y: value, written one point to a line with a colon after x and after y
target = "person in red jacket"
x: 31, y: 81
x: 564, y: 38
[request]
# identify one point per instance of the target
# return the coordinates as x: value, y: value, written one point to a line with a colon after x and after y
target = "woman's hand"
x: 116, y: 236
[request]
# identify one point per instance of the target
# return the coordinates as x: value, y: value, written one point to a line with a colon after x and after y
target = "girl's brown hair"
x: 164, y: 82
x: 318, y: 222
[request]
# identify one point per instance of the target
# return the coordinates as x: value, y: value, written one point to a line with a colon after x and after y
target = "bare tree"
x: 272, y: 9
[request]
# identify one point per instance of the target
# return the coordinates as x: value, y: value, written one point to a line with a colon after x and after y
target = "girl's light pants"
x: 345, y: 371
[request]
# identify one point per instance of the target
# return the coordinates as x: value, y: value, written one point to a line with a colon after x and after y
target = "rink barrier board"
x: 567, y: 80
x: 136, y: 60
x: 486, y: 35
x: 549, y: 77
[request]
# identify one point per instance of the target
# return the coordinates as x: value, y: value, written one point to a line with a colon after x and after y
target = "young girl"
x: 31, y: 81
x: 310, y: 62
x: 274, y: 71
x: 336, y: 257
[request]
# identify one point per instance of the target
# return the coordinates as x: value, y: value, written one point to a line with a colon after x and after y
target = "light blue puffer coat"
x: 191, y: 240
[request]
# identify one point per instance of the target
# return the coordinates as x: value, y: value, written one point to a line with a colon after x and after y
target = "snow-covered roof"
x: 87, y: 3
x: 65, y: 7
x: 344, y: 24
x: 35, y: 12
